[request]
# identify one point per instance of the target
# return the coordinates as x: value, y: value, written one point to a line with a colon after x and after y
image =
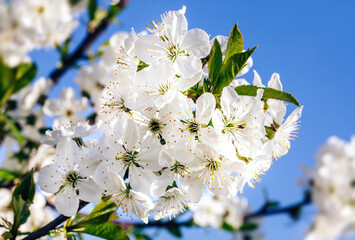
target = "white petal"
x: 257, y: 80
x: 141, y: 179
x: 50, y: 178
x: 205, y: 107
x: 275, y: 82
x: 196, y: 41
x: 52, y: 108
x: 188, y: 66
x: 149, y: 48
x: 229, y: 100
x: 66, y: 153
x: 89, y: 191
x: 67, y: 202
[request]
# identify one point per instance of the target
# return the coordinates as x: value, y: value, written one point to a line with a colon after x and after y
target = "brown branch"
x: 85, y: 44
x: 43, y: 231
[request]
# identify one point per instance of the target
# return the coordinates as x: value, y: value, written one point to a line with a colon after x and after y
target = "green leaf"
x: 248, y: 226
x: 227, y: 227
x: 24, y: 75
x: 235, y: 43
x: 106, y: 230
x: 295, y: 213
x: 14, y: 79
x: 98, y: 224
x: 7, y: 175
x: 142, y: 236
x: 104, y: 208
x: 270, y: 132
x: 215, y: 61
x: 26, y: 189
x: 175, y: 231
x: 141, y: 65
x: 92, y: 7
x: 14, y: 129
x: 231, y: 69
x: 269, y: 93
x: 22, y: 198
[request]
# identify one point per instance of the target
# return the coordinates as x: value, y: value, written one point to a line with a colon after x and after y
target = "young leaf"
x: 215, y: 61
x: 92, y: 6
x: 24, y: 75
x: 235, y: 43
x: 227, y: 227
x: 98, y: 224
x: 13, y: 127
x: 269, y: 93
x: 6, y: 175
x: 175, y: 231
x: 22, y: 198
x: 231, y: 68
x: 106, y: 230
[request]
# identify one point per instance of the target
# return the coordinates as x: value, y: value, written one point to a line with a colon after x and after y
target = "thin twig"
x: 43, y: 231
x: 84, y: 45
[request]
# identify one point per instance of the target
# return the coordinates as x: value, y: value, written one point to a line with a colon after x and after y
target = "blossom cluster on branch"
x: 173, y: 125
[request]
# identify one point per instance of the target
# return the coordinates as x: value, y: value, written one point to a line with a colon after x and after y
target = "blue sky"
x: 309, y: 43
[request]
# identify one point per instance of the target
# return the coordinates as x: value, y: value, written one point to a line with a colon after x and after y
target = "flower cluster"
x: 220, y: 212
x: 168, y: 136
x: 30, y: 24
x: 333, y: 190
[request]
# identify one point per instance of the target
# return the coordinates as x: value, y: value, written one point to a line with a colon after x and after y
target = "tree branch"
x: 290, y: 209
x: 85, y: 44
x: 43, y: 231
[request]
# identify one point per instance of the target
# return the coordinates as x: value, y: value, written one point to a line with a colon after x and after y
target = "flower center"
x: 155, y: 126
x: 165, y: 87
x: 179, y: 168
x: 129, y: 158
x: 192, y: 126
x: 213, y: 164
x: 69, y: 113
x: 174, y: 51
x: 232, y: 126
x: 73, y: 178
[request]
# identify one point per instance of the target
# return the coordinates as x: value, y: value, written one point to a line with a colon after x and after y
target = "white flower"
x: 159, y: 85
x: 69, y: 178
x: 172, y: 201
x: 118, y: 100
x: 127, y: 151
x: 172, y: 44
x: 192, y: 127
x: 285, y: 133
x: 241, y: 121
x: 73, y: 130
x: 213, y: 170
x: 51, y: 22
x: 276, y: 109
x: 67, y: 107
x: 90, y: 81
x: 130, y: 201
